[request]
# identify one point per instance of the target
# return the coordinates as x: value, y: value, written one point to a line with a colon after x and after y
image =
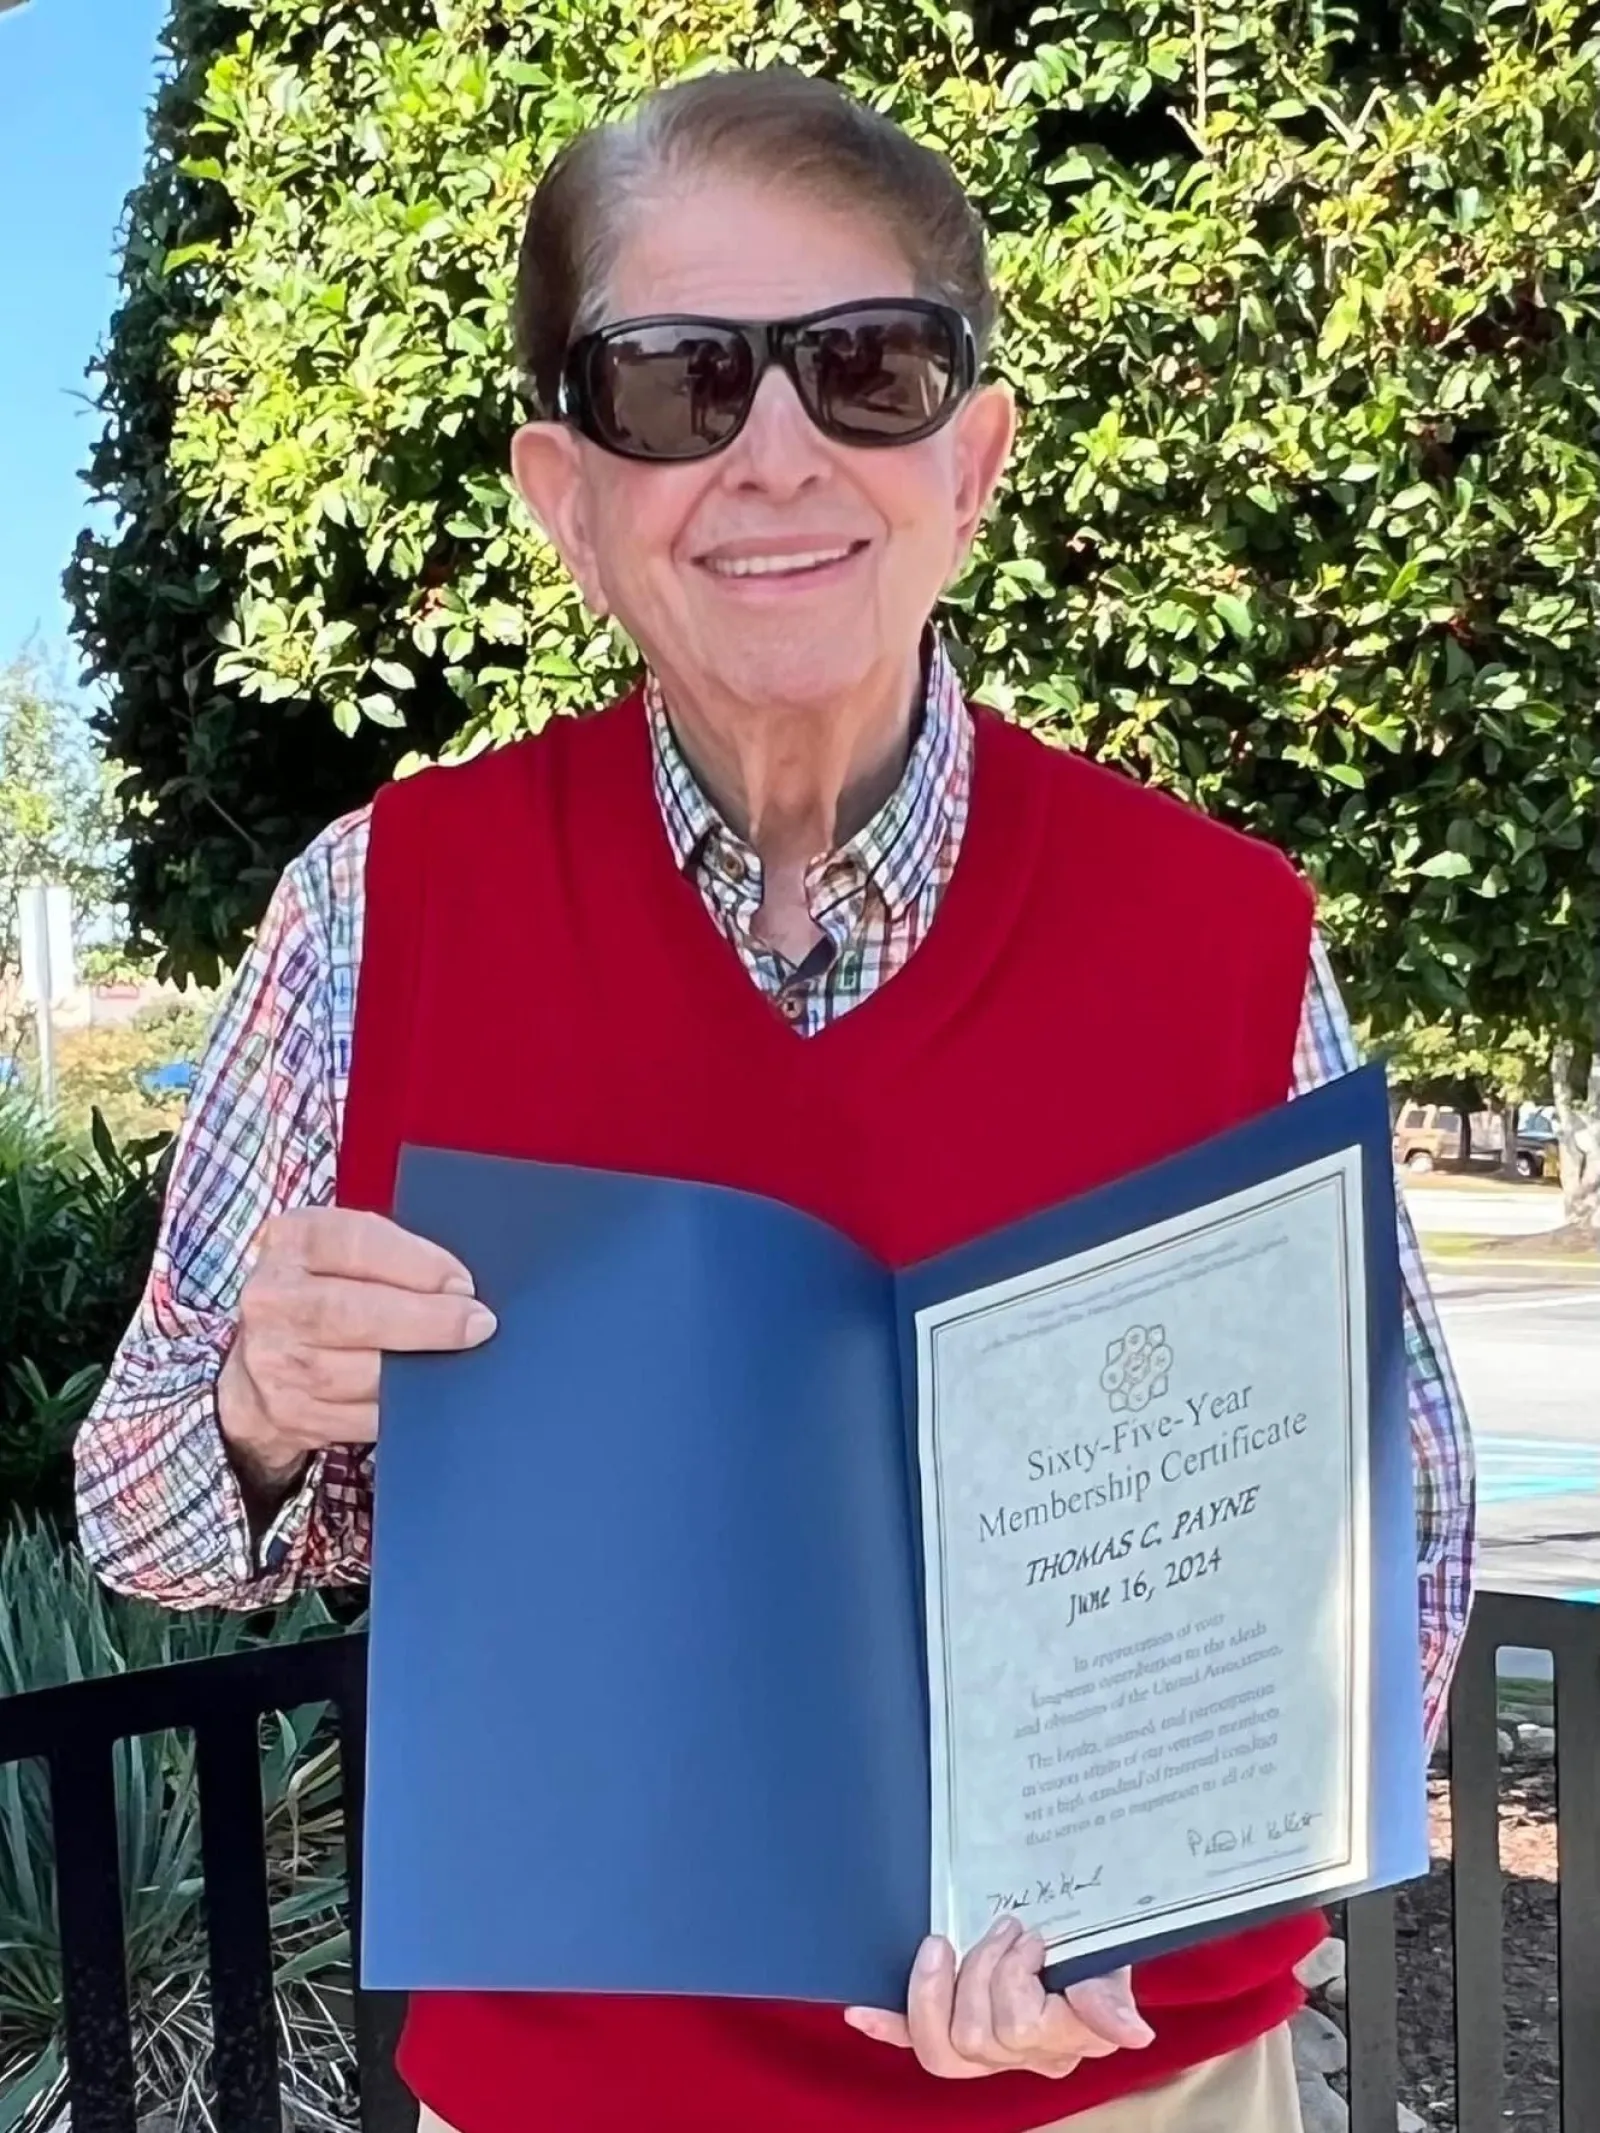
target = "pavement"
x: 1527, y: 1352
x: 1525, y: 1341
x: 1484, y: 1210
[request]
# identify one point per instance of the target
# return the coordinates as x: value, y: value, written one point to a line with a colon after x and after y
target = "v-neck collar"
x: 895, y: 854
x: 998, y: 856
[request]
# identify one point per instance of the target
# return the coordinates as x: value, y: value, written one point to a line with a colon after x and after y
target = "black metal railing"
x: 74, y: 1730
x: 1570, y: 1632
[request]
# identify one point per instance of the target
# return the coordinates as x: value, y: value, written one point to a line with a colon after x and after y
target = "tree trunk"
x: 1578, y: 1128
x: 1508, y: 1139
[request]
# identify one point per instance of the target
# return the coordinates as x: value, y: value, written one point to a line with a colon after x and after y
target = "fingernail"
x: 459, y: 1285
x: 858, y: 2018
x: 929, y: 1957
x: 481, y: 1322
x: 1132, y: 2026
x: 1006, y: 1929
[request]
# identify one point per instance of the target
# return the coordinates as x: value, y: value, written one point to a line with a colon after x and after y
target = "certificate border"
x: 1342, y: 1169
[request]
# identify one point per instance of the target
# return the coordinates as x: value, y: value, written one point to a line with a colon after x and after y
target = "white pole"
x: 47, y: 1032
x: 45, y: 915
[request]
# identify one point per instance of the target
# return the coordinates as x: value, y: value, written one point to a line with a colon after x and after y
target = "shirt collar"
x: 897, y: 850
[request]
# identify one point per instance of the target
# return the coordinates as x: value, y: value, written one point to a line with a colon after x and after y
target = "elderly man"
x: 791, y: 917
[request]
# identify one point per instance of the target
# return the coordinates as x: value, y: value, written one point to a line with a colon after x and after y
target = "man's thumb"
x: 1106, y: 2005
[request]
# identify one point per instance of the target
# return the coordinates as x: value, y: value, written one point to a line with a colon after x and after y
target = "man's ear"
x: 547, y: 466
x: 984, y: 431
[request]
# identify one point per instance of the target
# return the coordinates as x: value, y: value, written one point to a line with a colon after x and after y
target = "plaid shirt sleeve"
x: 160, y: 1513
x: 1440, y: 1439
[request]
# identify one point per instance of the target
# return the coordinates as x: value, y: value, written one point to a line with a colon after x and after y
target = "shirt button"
x: 734, y: 867
x: 791, y: 1006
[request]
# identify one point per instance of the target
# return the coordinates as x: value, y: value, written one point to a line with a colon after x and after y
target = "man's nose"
x: 780, y: 448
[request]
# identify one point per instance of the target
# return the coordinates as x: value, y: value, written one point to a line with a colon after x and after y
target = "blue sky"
x: 76, y: 78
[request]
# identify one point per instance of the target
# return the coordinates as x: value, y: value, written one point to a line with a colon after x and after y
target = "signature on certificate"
x: 1249, y: 1836
x: 1049, y: 1888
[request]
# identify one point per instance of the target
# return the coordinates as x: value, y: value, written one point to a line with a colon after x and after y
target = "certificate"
x: 748, y: 1607
x: 1145, y: 1516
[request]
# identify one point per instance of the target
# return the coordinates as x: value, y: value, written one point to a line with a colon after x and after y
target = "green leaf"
x: 332, y: 1954
x: 104, y: 1146
x: 1235, y: 613
x: 1446, y: 866
x: 185, y: 255
x: 1075, y: 169
x: 1025, y: 570
x: 1343, y: 321
x: 24, y: 2090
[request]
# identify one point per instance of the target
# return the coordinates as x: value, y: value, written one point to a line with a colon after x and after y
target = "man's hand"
x: 330, y: 1291
x: 996, y: 2016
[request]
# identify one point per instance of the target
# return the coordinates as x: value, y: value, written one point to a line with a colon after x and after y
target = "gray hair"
x: 768, y: 124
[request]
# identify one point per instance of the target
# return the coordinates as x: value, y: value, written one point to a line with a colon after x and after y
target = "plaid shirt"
x: 159, y: 1511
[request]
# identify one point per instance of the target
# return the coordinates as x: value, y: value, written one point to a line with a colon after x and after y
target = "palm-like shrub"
x: 57, y: 1624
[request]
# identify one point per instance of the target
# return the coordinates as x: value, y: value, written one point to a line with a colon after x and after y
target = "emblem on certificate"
x: 1138, y: 1368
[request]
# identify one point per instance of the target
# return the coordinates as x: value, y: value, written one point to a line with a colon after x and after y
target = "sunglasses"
x: 682, y: 388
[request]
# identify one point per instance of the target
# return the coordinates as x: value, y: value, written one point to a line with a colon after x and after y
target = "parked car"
x: 1538, y: 1145
x: 1426, y: 1135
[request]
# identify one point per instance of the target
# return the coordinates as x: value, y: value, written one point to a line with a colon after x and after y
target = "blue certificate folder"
x: 648, y: 1696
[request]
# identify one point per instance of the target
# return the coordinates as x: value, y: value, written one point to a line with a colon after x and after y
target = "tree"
x: 1472, y: 1066
x: 1576, y: 1080
x: 1303, y: 312
x: 58, y: 815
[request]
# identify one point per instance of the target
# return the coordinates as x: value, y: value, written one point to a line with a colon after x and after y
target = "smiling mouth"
x: 799, y: 564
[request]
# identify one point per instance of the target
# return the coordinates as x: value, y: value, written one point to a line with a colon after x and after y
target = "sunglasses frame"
x: 771, y: 343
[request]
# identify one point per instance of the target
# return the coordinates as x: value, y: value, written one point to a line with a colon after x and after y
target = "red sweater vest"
x: 1111, y: 978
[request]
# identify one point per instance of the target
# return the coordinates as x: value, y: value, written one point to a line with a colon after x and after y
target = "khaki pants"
x: 1252, y: 2091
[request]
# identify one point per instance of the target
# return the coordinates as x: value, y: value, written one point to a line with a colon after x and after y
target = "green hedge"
x: 77, y: 1230
x: 1303, y: 309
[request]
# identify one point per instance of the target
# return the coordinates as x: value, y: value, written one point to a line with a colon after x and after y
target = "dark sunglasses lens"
x: 669, y: 391
x: 878, y: 374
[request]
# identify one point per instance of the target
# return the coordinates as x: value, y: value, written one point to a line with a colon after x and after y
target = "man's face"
x: 863, y: 540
